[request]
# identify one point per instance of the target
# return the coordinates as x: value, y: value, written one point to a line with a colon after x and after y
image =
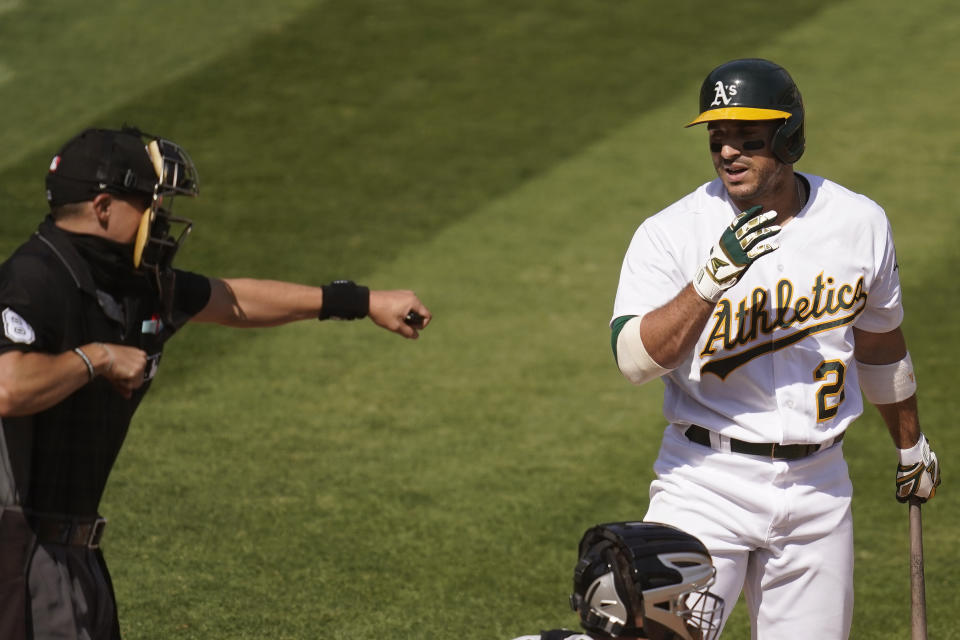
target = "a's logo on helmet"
x: 722, y: 95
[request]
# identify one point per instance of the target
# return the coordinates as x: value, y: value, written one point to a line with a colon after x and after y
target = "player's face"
x: 742, y: 153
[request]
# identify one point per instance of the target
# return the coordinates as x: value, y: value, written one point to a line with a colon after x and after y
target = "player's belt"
x: 74, y: 532
x: 772, y: 450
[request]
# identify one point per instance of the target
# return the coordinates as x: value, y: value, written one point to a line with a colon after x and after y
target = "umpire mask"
x: 156, y: 244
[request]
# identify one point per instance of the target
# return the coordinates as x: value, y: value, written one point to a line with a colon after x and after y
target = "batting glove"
x: 737, y: 249
x: 918, y: 474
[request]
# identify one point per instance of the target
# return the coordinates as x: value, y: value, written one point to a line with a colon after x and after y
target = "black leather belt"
x: 700, y: 435
x: 74, y: 532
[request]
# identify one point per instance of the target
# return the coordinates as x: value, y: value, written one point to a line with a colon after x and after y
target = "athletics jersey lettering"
x: 752, y: 320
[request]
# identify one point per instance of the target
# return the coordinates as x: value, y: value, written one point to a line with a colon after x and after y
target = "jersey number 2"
x: 830, y: 393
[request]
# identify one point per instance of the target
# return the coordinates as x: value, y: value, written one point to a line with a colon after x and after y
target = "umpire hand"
x: 918, y: 473
x: 392, y: 310
x: 123, y: 366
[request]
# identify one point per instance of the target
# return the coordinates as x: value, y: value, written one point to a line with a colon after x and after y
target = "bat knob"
x: 413, y: 319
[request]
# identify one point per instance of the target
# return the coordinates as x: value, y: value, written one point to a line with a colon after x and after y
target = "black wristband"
x: 345, y: 300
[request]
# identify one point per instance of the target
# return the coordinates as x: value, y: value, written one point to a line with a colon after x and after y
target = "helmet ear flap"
x: 789, y: 141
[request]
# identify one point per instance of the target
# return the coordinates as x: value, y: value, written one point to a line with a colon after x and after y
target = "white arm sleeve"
x: 632, y: 357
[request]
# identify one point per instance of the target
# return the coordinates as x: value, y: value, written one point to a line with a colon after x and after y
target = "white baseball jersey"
x: 775, y: 361
x: 575, y: 636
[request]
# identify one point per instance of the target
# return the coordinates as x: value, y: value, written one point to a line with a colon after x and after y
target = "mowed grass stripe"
x: 399, y: 117
x: 72, y: 64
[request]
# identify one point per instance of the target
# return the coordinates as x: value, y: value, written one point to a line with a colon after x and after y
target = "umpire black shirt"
x: 57, y: 461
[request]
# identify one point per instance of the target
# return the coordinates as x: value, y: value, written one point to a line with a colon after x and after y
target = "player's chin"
x: 739, y: 185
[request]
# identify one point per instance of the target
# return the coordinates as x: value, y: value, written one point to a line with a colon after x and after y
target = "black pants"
x: 16, y: 545
x: 71, y: 596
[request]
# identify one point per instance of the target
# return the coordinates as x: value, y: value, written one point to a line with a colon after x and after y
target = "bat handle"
x: 918, y: 598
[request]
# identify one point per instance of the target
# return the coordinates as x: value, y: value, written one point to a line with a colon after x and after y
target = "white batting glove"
x: 736, y: 250
x: 918, y: 474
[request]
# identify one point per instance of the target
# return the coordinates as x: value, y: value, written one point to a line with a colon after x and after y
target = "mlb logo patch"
x: 54, y: 163
x: 16, y: 328
x: 153, y: 326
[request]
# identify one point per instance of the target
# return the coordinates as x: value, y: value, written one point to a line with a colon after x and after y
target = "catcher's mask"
x: 756, y: 89
x: 632, y: 572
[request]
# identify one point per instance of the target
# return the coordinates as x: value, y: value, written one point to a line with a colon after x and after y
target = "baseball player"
x: 87, y: 304
x: 641, y: 580
x: 765, y: 300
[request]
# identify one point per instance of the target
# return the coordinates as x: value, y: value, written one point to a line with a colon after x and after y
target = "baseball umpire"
x: 87, y: 304
x: 766, y: 300
x: 642, y: 580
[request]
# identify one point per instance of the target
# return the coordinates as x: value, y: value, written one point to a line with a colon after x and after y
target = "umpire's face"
x: 119, y: 215
x: 742, y: 153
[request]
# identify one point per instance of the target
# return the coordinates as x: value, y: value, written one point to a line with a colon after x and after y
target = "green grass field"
x: 335, y: 481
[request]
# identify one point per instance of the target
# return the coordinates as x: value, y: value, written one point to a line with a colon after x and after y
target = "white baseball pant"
x: 780, y: 530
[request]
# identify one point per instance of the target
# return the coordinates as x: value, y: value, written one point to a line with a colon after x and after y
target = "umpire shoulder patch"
x: 16, y: 328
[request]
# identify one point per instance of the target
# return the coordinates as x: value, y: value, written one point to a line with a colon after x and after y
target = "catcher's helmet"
x: 648, y: 570
x: 756, y: 89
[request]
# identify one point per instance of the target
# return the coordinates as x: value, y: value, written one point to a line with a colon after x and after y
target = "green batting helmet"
x: 756, y: 89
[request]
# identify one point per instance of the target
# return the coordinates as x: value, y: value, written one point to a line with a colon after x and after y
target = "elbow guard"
x: 632, y: 357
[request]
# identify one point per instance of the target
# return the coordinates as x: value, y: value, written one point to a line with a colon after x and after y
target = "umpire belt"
x: 70, y: 531
x: 771, y: 450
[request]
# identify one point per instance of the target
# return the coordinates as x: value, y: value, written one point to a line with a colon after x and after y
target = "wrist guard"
x: 344, y: 300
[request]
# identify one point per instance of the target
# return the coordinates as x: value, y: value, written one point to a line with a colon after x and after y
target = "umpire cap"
x: 100, y: 161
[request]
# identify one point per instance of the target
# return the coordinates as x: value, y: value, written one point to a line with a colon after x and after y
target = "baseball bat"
x: 918, y: 598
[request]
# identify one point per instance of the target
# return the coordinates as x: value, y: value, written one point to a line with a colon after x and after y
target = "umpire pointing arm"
x: 87, y: 304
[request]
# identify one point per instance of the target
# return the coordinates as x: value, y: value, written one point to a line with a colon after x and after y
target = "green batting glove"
x: 738, y: 247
